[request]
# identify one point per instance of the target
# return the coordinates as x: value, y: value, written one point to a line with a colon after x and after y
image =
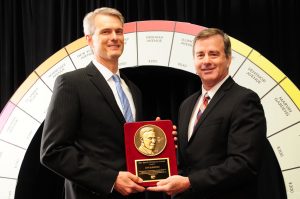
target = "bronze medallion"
x: 150, y: 140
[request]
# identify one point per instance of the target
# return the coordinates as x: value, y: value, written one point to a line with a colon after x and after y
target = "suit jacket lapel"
x: 136, y: 96
x: 187, y: 116
x: 99, y: 81
x: 214, y: 101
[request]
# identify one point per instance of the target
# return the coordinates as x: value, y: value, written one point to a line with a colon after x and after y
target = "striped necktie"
x: 124, y: 100
x: 203, y: 106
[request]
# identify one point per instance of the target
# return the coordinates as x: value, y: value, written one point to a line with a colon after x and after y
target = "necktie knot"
x: 116, y: 78
x: 206, y: 98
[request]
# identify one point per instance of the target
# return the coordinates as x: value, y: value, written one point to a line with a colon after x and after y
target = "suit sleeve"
x: 60, y: 150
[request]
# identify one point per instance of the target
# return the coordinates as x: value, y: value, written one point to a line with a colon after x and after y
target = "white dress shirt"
x: 211, y: 94
x: 107, y: 74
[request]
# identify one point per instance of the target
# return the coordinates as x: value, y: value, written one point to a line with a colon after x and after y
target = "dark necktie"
x: 124, y: 100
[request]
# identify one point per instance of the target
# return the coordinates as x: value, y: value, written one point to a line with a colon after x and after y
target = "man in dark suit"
x: 83, y: 131
x: 220, y: 147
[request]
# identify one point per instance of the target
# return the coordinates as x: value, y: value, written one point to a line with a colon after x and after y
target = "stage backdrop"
x: 166, y: 45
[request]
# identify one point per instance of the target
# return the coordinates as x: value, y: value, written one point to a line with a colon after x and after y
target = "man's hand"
x: 174, y: 132
x: 126, y: 183
x: 172, y: 185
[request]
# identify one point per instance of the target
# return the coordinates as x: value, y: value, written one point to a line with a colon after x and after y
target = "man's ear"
x: 88, y: 39
x: 229, y: 61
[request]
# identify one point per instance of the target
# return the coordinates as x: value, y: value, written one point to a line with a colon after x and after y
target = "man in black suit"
x: 83, y: 131
x: 219, y: 152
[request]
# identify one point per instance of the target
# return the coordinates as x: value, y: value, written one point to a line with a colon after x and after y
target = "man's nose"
x: 206, y: 59
x: 113, y: 35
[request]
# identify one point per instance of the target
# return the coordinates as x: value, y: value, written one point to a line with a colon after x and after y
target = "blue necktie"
x: 124, y: 100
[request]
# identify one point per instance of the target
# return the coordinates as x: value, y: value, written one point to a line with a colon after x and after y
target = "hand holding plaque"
x: 150, y: 150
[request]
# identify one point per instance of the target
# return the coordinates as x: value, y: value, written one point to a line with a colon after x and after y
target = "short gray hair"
x: 89, y: 23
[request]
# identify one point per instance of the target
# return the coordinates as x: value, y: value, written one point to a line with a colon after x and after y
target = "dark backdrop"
x: 33, y: 30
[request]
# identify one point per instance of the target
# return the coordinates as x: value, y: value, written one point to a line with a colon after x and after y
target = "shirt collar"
x: 214, y: 89
x: 107, y: 74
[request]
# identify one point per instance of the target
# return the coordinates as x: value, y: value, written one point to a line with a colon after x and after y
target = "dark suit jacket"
x: 223, y: 156
x: 83, y: 133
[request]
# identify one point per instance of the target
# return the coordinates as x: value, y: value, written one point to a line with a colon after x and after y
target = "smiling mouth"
x: 114, y: 46
x: 207, y: 70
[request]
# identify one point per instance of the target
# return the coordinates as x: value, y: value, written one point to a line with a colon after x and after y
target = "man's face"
x: 149, y: 139
x: 107, y: 41
x: 210, y: 61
